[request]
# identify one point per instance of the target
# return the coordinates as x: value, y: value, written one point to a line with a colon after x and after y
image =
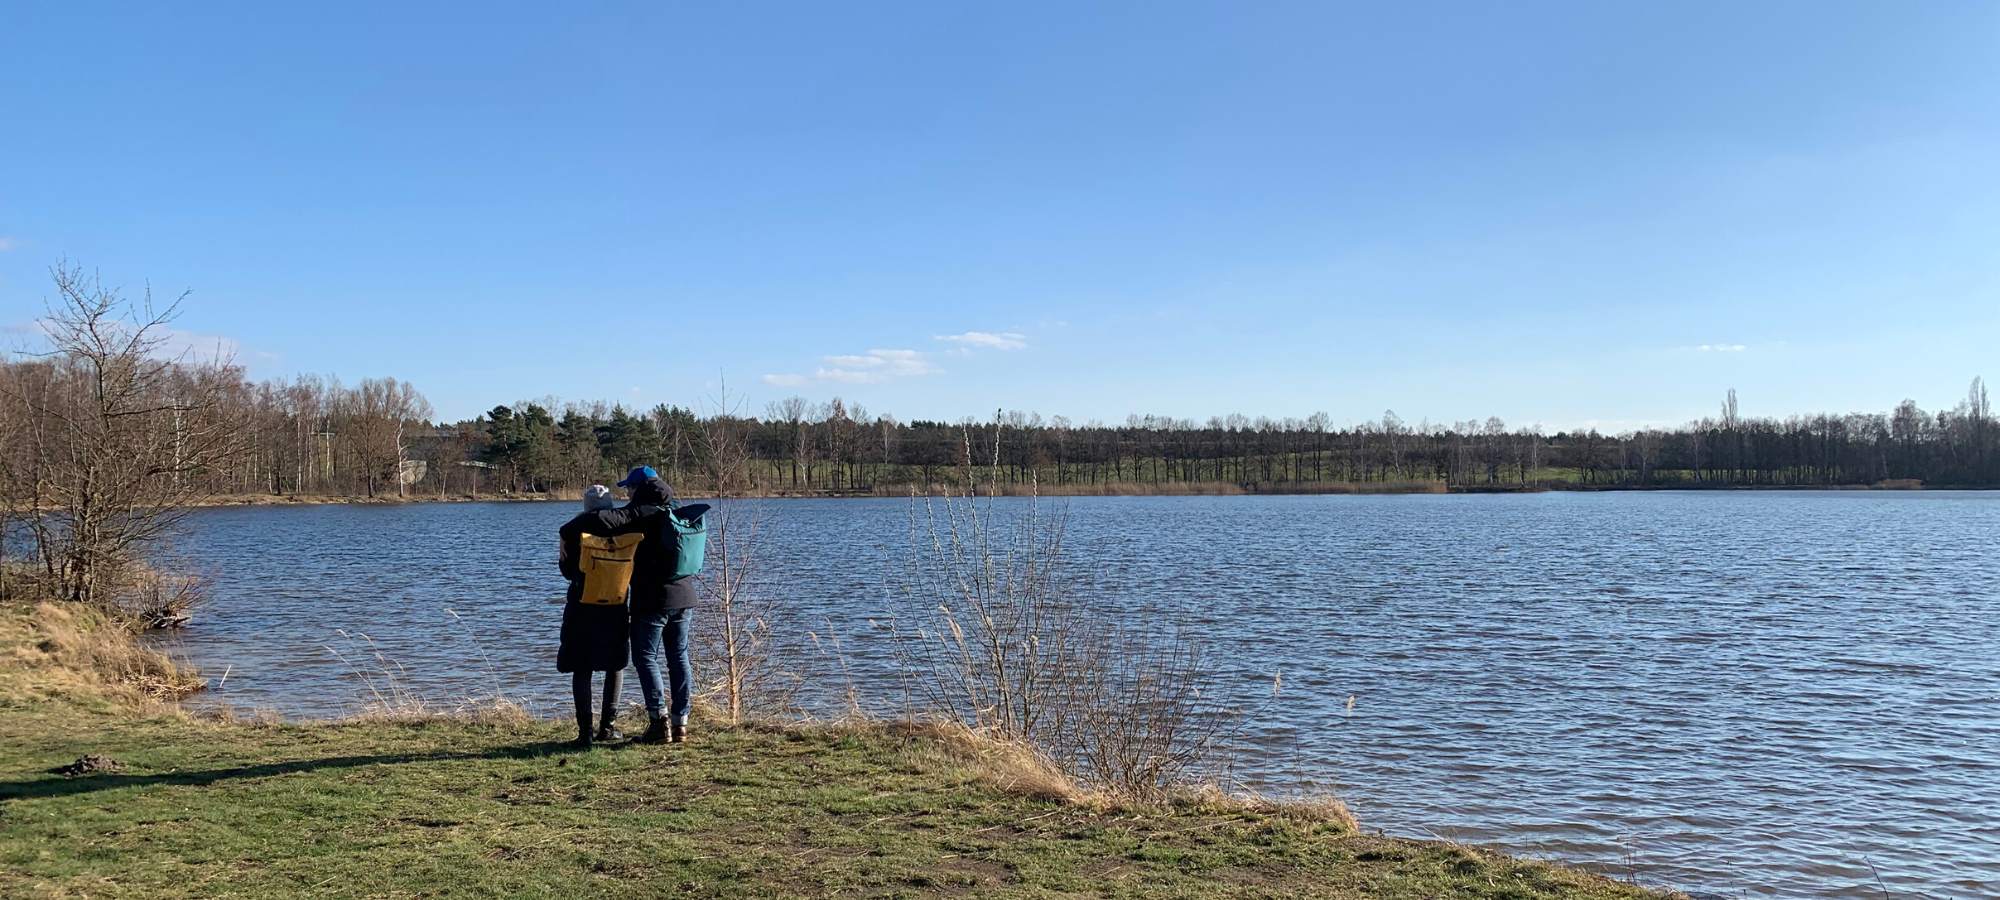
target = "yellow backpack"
x: 606, y: 563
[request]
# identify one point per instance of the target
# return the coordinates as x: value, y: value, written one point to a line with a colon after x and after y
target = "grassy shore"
x: 500, y: 806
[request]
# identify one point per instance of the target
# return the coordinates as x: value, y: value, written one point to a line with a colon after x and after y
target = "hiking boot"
x: 679, y: 735
x: 656, y: 732
x: 608, y: 733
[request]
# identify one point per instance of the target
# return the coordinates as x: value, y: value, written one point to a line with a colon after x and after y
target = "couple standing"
x: 603, y: 550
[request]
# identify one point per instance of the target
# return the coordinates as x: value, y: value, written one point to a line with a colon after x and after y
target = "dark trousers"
x: 579, y: 686
x: 656, y: 635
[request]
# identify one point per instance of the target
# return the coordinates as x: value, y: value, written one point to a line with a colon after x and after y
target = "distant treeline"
x: 214, y: 432
x: 319, y: 436
x: 801, y: 447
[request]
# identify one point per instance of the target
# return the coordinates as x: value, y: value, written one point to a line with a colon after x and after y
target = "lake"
x: 1761, y: 693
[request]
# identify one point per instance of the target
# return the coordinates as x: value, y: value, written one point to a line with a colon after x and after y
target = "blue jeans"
x: 656, y: 634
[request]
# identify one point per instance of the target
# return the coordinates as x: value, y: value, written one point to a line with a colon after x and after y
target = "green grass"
x: 449, y: 808
x: 460, y: 808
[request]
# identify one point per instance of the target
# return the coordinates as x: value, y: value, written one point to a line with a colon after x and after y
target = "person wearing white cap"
x: 596, y: 619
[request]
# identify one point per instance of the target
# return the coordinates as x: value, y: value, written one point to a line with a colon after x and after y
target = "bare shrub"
x: 735, y: 629
x: 1143, y: 722
x: 147, y: 598
x: 996, y: 638
x: 994, y: 635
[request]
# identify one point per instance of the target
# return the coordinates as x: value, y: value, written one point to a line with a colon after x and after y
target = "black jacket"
x: 594, y: 638
x: 653, y: 584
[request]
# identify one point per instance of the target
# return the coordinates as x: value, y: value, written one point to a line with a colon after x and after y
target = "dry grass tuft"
x: 1019, y: 768
x: 230, y: 716
x: 1125, y: 489
x: 61, y: 649
x: 1011, y: 766
x: 498, y: 712
x: 1320, y: 810
x: 1359, y: 487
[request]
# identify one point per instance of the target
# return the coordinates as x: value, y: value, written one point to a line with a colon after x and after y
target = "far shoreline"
x: 1205, y: 489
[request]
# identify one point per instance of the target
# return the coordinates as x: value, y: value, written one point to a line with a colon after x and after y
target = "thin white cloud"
x: 177, y: 344
x: 903, y: 362
x: 8, y: 243
x: 991, y: 340
x: 1721, y: 348
x: 850, y: 376
x: 874, y: 367
x: 169, y: 343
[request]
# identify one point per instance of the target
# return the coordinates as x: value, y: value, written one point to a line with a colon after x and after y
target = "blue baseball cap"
x: 638, y: 476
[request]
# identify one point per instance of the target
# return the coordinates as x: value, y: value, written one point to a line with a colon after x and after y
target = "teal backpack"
x: 690, y: 537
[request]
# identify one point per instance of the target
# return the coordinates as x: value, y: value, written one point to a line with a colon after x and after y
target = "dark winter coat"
x: 653, y: 585
x: 595, y: 637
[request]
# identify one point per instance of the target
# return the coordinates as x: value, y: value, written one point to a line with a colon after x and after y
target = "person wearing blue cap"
x: 662, y: 606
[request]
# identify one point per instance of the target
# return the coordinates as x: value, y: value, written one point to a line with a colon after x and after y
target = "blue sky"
x: 1567, y: 214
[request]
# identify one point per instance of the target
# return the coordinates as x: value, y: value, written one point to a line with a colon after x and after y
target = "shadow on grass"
x: 52, y: 785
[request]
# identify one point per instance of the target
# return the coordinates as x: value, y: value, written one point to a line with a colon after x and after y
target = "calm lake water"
x: 1732, y: 693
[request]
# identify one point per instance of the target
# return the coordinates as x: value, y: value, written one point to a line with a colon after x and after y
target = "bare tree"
x: 1979, y: 415
x: 12, y: 465
x: 118, y: 431
x: 791, y: 414
x: 382, y: 413
x: 739, y: 624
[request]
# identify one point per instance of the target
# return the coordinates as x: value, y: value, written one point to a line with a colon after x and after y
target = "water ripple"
x: 1764, y: 694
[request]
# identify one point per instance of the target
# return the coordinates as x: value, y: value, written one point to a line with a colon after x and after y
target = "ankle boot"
x: 582, y: 732
x: 656, y: 732
x: 608, y: 732
x: 680, y: 731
